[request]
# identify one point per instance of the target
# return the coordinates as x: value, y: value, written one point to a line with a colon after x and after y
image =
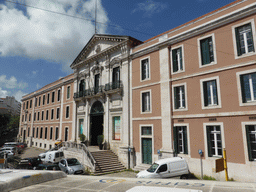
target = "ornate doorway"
x: 96, y: 122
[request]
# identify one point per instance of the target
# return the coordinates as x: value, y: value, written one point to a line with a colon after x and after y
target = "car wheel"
x: 184, y: 177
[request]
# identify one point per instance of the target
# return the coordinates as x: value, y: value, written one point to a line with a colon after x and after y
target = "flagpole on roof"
x: 95, y: 16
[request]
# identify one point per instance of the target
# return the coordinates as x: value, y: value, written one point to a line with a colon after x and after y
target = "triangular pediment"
x: 98, y: 44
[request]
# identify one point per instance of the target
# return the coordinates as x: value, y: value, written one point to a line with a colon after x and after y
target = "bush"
x: 100, y: 139
x: 82, y: 137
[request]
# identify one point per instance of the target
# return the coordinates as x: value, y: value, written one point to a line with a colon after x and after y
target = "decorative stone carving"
x: 97, y: 49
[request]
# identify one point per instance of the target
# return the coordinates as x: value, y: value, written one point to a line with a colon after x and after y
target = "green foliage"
x: 82, y: 137
x: 4, y: 119
x: 14, y: 122
x: 100, y: 139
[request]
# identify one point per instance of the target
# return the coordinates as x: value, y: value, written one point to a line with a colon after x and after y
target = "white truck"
x: 51, y: 156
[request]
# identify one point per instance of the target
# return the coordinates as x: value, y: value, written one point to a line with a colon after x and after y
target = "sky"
x: 38, y: 45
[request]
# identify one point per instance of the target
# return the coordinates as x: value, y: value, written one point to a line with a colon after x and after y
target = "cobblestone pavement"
x: 31, y: 152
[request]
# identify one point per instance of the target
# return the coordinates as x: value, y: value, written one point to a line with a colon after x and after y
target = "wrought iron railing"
x: 113, y: 85
x: 83, y: 147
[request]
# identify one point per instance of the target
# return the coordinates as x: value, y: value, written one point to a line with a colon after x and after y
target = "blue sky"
x: 37, y: 47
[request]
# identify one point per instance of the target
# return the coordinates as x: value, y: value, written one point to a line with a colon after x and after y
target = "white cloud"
x: 43, y: 35
x: 11, y: 83
x: 18, y: 95
x: 3, y: 93
x: 149, y: 8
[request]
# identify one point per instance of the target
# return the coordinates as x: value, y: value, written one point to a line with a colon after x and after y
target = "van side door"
x: 163, y: 171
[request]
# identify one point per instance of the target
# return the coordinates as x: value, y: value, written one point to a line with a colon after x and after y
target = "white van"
x: 170, y: 167
x: 51, y: 156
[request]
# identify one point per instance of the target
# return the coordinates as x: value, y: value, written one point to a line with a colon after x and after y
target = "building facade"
x: 194, y: 87
x: 9, y: 105
x: 47, y: 114
x: 191, y: 88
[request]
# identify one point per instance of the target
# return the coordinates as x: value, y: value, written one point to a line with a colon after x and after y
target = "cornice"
x: 48, y: 89
x: 102, y: 53
x: 216, y: 23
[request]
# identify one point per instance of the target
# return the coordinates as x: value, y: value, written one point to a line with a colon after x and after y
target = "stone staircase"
x: 106, y: 161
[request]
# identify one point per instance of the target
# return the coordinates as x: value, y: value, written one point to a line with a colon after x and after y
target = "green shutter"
x: 252, y: 38
x: 174, y: 60
x: 181, y: 62
x: 209, y: 141
x: 175, y: 137
x: 176, y: 100
x: 238, y: 42
x: 248, y: 142
x: 242, y: 89
x: 205, y: 52
x: 185, y: 135
x: 205, y: 94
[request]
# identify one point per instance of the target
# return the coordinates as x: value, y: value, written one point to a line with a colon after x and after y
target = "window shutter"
x: 174, y: 60
x: 185, y: 140
x: 143, y: 71
x: 248, y: 143
x: 238, y: 42
x: 251, y: 37
x: 205, y: 93
x: 181, y: 62
x: 242, y: 89
x: 143, y: 102
x: 208, y: 132
x: 175, y: 137
x: 176, y: 100
x: 205, y: 51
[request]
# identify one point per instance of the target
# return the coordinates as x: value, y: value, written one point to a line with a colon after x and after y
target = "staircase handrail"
x: 82, y: 146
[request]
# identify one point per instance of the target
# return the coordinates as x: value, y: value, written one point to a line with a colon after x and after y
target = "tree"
x: 14, y: 122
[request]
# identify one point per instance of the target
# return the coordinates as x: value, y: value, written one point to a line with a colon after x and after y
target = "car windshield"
x: 72, y: 162
x: 152, y: 168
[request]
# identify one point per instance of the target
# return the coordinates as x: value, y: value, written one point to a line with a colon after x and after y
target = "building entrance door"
x: 147, y: 150
x: 96, y: 122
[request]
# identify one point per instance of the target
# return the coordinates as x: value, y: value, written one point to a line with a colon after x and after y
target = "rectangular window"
x: 145, y: 69
x: 146, y: 131
x: 39, y: 101
x: 116, y: 128
x: 38, y: 116
x: 22, y: 118
x: 27, y: 105
x: 81, y: 126
x: 214, y: 142
x: 56, y: 133
x: 180, y: 139
x: 179, y: 97
x: 24, y: 105
x: 43, y: 99
x: 42, y: 115
x: 51, y: 133
x: 34, y: 116
x: 45, y: 133
x: 47, y: 114
x: 58, y: 113
x: 28, y: 131
x: 67, y: 112
x: 26, y: 117
x: 33, y: 132
x: 59, y: 95
x: 146, y: 102
x: 41, y: 133
x: 244, y: 39
x: 29, y: 117
x: 177, y: 62
x: 53, y: 97
x: 251, y: 141
x: 248, y: 87
x: 207, y: 52
x: 48, y: 98
x: 210, y: 93
x: 37, y: 132
x: 52, y: 114
x: 35, y: 102
x: 30, y: 104
x: 68, y: 92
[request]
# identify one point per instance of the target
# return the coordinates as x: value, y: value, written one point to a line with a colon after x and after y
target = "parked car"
x: 51, y: 156
x: 71, y: 166
x: 164, y: 168
x: 19, y: 149
x: 47, y: 166
x: 9, y: 150
x: 29, y: 163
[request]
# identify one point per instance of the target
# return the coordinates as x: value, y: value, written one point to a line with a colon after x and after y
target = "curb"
x: 24, y: 179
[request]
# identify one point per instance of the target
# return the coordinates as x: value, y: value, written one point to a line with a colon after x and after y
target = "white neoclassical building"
x: 102, y: 93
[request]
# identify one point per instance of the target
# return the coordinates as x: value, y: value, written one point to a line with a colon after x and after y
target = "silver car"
x: 71, y: 166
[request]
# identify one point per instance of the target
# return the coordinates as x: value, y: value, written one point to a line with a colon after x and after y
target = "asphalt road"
x: 120, y: 184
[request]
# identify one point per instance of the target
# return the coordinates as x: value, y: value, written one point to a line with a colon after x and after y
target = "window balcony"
x: 113, y: 87
x: 89, y: 93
